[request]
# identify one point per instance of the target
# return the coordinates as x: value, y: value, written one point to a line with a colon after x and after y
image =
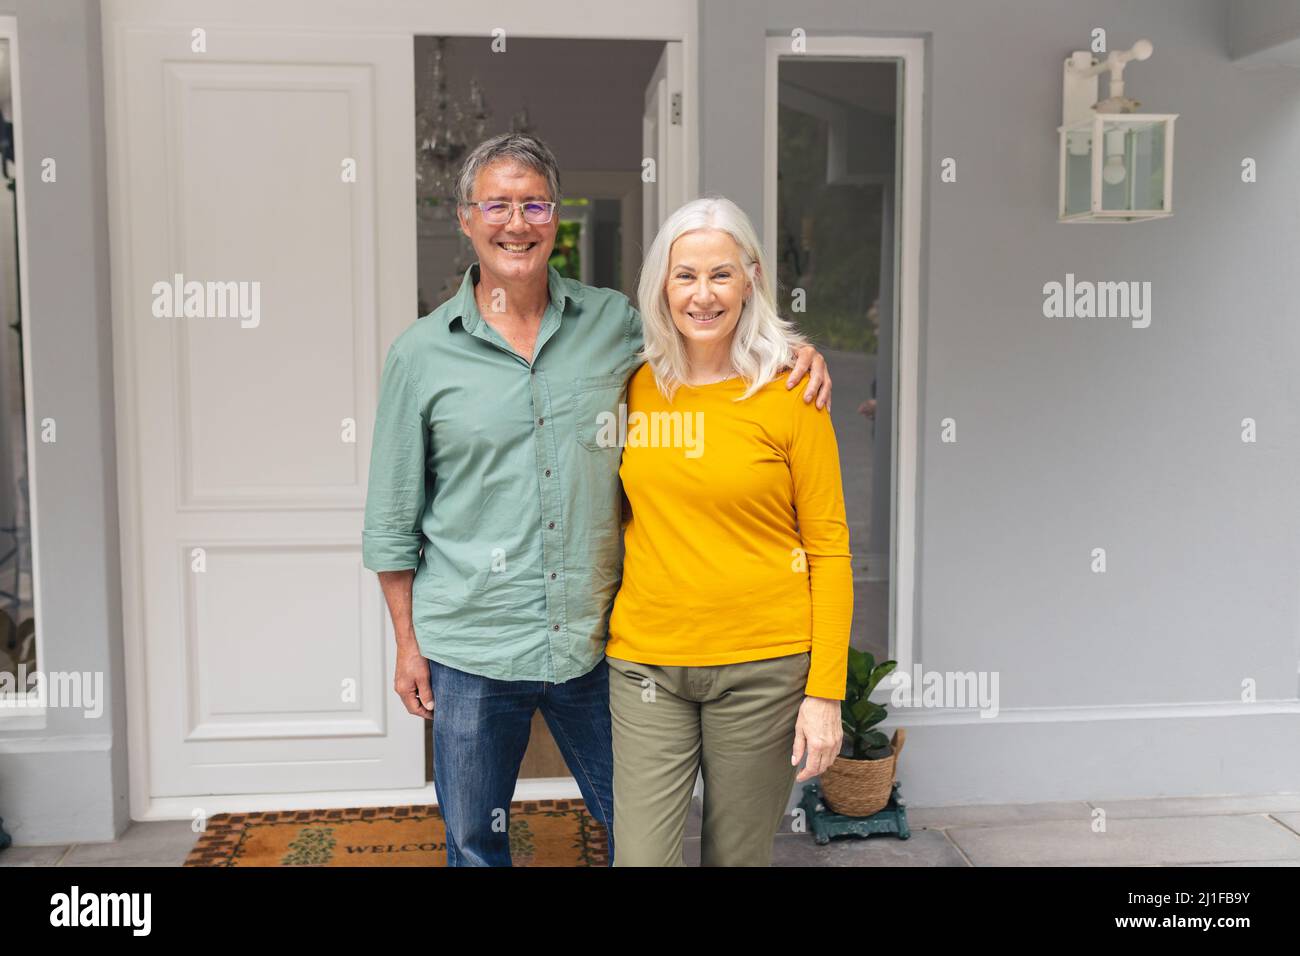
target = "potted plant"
x: 860, y: 780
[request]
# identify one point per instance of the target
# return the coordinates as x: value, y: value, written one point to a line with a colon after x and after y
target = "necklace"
x: 715, y: 381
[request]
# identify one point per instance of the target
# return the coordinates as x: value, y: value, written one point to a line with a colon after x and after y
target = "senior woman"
x: 729, y: 635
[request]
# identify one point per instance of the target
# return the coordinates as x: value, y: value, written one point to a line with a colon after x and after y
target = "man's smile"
x: 517, y: 248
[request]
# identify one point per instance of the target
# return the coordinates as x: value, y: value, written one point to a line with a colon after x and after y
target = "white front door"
x: 259, y: 657
x: 281, y: 162
x: 662, y: 138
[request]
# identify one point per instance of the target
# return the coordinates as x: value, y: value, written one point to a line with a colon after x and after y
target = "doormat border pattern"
x: 221, y: 842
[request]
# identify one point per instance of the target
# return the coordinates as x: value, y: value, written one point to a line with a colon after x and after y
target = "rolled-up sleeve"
x: 395, y: 496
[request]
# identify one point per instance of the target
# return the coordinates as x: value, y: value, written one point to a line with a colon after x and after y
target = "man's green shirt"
x: 487, y: 478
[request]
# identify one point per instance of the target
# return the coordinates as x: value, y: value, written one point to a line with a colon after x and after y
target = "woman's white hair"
x: 763, y: 343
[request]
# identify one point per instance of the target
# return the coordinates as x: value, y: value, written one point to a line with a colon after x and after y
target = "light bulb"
x: 1113, y: 172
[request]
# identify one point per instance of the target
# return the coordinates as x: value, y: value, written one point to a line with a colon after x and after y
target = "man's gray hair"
x: 515, y: 147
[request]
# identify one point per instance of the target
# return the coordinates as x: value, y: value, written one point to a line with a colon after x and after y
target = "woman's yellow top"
x: 737, y: 548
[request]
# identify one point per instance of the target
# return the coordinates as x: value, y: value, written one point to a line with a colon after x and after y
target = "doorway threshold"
x: 183, y: 808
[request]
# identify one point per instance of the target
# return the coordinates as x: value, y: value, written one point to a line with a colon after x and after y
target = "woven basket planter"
x: 859, y: 788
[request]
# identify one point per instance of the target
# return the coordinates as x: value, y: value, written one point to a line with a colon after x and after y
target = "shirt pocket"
x: 595, y: 411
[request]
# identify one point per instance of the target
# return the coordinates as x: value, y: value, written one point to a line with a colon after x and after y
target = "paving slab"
x: 153, y: 843
x: 32, y: 855
x: 1130, y: 842
x: 996, y: 814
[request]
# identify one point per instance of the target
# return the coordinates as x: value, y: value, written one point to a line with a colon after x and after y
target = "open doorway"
x: 602, y: 106
x: 465, y: 93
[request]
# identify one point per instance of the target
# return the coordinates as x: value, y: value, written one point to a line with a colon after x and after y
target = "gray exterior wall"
x: 1073, y: 433
x: 67, y: 781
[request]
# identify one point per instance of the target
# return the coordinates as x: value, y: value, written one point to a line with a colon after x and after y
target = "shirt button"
x: 540, y: 420
x: 548, y: 472
x: 550, y: 524
x: 552, y: 575
x: 555, y: 627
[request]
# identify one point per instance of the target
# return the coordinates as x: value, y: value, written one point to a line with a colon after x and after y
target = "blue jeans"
x: 480, y: 732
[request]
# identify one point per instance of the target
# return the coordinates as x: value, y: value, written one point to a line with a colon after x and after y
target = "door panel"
x: 268, y: 658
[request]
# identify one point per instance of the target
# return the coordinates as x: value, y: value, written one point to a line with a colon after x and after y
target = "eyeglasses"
x: 497, y: 211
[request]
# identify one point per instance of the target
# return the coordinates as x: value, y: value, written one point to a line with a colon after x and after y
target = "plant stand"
x: 824, y: 823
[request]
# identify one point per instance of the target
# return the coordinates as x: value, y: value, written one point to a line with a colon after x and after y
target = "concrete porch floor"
x: 1174, y: 831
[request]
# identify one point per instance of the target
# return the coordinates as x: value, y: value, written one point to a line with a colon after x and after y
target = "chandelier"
x: 445, y: 130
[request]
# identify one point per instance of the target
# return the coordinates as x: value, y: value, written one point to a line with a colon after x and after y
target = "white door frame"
x: 25, y: 710
x: 911, y: 52
x: 668, y: 20
x: 661, y: 141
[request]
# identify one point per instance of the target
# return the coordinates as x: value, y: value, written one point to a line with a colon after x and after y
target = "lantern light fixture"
x: 1116, y: 163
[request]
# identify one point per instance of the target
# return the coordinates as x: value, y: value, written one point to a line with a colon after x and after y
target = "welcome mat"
x: 542, y: 833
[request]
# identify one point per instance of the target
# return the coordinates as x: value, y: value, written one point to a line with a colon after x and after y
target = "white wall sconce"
x: 1117, y: 164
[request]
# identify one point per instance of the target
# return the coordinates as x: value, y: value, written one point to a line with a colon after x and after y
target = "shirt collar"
x: 463, y: 306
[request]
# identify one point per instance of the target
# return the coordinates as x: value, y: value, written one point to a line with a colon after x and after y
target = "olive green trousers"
x: 732, y: 722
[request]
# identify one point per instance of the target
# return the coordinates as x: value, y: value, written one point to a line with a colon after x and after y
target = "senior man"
x: 493, y: 514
